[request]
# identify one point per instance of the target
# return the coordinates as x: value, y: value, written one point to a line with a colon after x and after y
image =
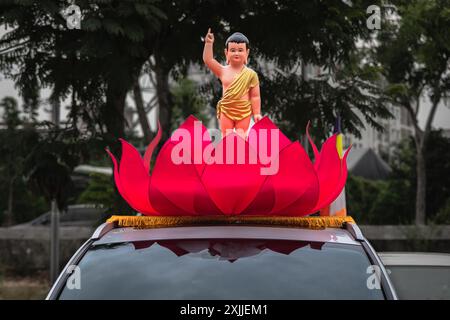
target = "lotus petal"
x: 233, y: 184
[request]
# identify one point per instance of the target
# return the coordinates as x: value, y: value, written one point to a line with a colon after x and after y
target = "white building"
x: 384, y: 142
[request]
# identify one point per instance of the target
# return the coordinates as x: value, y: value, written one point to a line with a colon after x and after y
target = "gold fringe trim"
x: 147, y: 222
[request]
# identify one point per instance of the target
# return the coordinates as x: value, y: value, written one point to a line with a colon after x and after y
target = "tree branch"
x: 418, y: 134
x: 418, y: 100
x: 435, y: 102
x: 13, y: 47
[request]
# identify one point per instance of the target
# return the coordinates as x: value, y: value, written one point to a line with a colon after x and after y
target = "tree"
x: 51, y: 161
x: 352, y: 92
x: 124, y: 35
x: 186, y: 101
x: 16, y: 140
x: 97, y: 64
x: 286, y: 34
x: 388, y: 201
x: 286, y: 37
x: 414, y: 54
x: 177, y: 46
x: 100, y: 191
x: 437, y: 171
x: 142, y: 114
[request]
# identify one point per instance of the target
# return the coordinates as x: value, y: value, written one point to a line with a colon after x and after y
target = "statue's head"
x: 237, y: 49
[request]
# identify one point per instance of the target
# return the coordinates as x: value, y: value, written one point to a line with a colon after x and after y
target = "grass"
x: 23, y: 288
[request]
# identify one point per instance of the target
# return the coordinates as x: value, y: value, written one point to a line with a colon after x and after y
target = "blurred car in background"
x: 419, y: 275
x: 77, y: 215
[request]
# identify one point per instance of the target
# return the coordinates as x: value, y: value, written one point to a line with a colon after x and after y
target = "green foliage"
x: 360, y: 196
x: 290, y: 34
x: 100, y: 191
x: 15, y: 144
x: 443, y: 215
x: 95, y: 65
x: 98, y: 63
x: 293, y: 101
x: 187, y: 101
x: 26, y: 205
x: 51, y: 161
x: 414, y: 51
x: 378, y: 201
x: 437, y: 170
x: 393, y: 204
x: 392, y: 201
x: 10, y: 112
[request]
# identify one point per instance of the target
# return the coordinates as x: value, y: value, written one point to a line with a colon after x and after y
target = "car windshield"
x: 223, y: 269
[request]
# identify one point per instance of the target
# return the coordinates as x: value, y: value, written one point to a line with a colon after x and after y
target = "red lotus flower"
x: 210, y: 184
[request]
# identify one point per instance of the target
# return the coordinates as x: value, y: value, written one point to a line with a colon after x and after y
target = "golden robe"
x: 231, y: 104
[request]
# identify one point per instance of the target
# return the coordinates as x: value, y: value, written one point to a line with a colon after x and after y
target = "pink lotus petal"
x: 117, y: 177
x: 233, y: 186
x: 164, y: 206
x: 150, y: 148
x: 133, y: 180
x: 296, y: 179
x: 256, y: 135
x: 303, y: 205
x: 176, y: 189
x: 199, y: 138
x: 237, y: 187
x: 264, y: 200
x: 333, y: 191
x: 311, y: 142
x: 329, y: 167
x: 328, y: 170
x: 294, y: 189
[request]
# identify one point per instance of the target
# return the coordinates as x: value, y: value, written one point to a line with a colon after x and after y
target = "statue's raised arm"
x: 208, y: 57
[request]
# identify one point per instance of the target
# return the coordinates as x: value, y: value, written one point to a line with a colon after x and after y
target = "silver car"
x: 224, y: 262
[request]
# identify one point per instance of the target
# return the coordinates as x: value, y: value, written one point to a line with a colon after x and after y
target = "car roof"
x: 130, y: 234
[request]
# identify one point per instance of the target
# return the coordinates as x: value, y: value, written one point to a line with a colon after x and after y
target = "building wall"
x: 384, y: 143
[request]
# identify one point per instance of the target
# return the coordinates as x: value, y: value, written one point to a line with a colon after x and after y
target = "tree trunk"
x: 421, y: 140
x: 114, y: 118
x: 9, y: 212
x: 143, y: 120
x: 421, y: 187
x: 165, y: 102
